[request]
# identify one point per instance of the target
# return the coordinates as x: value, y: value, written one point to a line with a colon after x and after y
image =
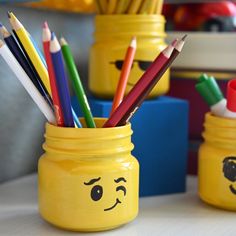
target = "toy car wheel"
x: 213, y: 26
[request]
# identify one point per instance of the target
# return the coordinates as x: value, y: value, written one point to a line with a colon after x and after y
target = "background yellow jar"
x: 112, y: 36
x: 88, y: 179
x: 217, y: 162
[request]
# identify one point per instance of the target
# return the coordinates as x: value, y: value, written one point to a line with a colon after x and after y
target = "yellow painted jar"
x: 217, y: 163
x: 88, y: 179
x: 112, y: 36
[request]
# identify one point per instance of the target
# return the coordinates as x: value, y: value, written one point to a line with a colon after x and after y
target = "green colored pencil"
x: 76, y: 82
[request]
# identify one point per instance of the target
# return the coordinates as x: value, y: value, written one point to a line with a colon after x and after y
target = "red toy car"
x: 215, y: 16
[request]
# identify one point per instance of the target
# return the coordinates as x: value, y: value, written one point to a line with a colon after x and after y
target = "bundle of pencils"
x: 46, y: 80
x: 129, y: 6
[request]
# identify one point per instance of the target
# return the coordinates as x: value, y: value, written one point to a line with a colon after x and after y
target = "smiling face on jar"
x: 229, y: 170
x: 141, y: 62
x: 109, y: 194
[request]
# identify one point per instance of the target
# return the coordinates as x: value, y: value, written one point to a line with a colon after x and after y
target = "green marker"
x: 77, y: 85
x: 212, y: 95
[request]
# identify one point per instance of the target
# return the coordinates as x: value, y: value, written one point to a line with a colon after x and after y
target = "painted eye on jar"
x: 96, y: 192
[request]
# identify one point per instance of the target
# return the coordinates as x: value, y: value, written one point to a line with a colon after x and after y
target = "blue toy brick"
x: 161, y: 140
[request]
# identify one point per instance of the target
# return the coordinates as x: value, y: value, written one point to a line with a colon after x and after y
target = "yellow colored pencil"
x: 145, y: 7
x: 134, y: 6
x: 159, y: 7
x: 98, y: 8
x: 153, y: 7
x: 111, y: 6
x: 122, y: 6
x: 23, y: 36
x: 103, y: 5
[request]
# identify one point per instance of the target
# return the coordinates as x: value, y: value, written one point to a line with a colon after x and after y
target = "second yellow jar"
x: 217, y: 163
x: 112, y: 36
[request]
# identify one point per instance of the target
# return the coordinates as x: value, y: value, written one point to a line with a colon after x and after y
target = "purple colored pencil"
x: 61, y: 81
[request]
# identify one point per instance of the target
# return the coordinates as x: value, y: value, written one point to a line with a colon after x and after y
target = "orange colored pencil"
x: 125, y: 71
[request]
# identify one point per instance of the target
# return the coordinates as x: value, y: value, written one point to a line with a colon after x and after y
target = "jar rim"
x: 68, y: 132
x: 220, y: 121
x: 219, y: 131
x: 135, y: 17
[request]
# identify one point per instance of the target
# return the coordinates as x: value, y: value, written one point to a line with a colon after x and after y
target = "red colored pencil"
x: 177, y: 49
x: 55, y: 97
x: 125, y: 71
x: 129, y: 105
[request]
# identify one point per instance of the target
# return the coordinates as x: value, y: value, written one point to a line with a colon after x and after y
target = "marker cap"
x: 209, y: 89
x: 231, y: 95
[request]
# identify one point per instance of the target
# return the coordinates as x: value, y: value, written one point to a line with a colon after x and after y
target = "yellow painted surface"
x: 220, y: 143
x: 112, y: 37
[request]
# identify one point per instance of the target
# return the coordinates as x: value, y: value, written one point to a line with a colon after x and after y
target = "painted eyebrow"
x: 92, y: 181
x: 120, y: 179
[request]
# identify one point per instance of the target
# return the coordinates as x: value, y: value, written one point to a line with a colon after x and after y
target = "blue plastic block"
x: 161, y: 140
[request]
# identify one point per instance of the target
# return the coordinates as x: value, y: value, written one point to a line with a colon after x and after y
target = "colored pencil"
x: 61, y: 81
x: 20, y: 57
x: 103, y: 5
x: 48, y: 96
x: 26, y: 82
x: 37, y: 49
x: 134, y: 6
x: 123, y: 111
x: 76, y: 82
x: 145, y: 7
x: 125, y: 71
x: 111, y: 7
x: 29, y: 48
x: 98, y: 7
x: 177, y: 48
x: 122, y: 6
x: 159, y: 7
x: 76, y: 119
x: 46, y: 37
x: 153, y: 6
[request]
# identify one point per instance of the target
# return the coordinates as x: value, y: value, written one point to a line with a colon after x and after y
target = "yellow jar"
x: 112, y: 36
x: 217, y: 163
x: 88, y: 179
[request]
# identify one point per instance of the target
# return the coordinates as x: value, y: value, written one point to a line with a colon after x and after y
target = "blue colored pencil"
x: 76, y: 119
x: 61, y: 81
x: 25, y: 64
x: 38, y: 50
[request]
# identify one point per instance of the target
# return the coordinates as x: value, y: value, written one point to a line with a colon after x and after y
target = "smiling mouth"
x: 117, y: 202
x: 232, y: 189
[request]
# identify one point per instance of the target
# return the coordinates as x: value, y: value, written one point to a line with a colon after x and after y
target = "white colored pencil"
x: 26, y: 82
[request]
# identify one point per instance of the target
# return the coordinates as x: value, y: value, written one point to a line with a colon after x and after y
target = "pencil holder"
x: 217, y: 162
x: 88, y: 179
x: 112, y: 36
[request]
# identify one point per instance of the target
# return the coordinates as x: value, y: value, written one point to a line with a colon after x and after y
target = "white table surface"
x: 176, y: 214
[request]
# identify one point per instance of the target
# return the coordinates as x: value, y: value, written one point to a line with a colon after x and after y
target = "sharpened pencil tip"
x: 9, y: 14
x: 45, y: 24
x: 133, y: 42
x: 185, y: 36
x: 53, y: 36
x: 174, y: 42
x: 63, y: 41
